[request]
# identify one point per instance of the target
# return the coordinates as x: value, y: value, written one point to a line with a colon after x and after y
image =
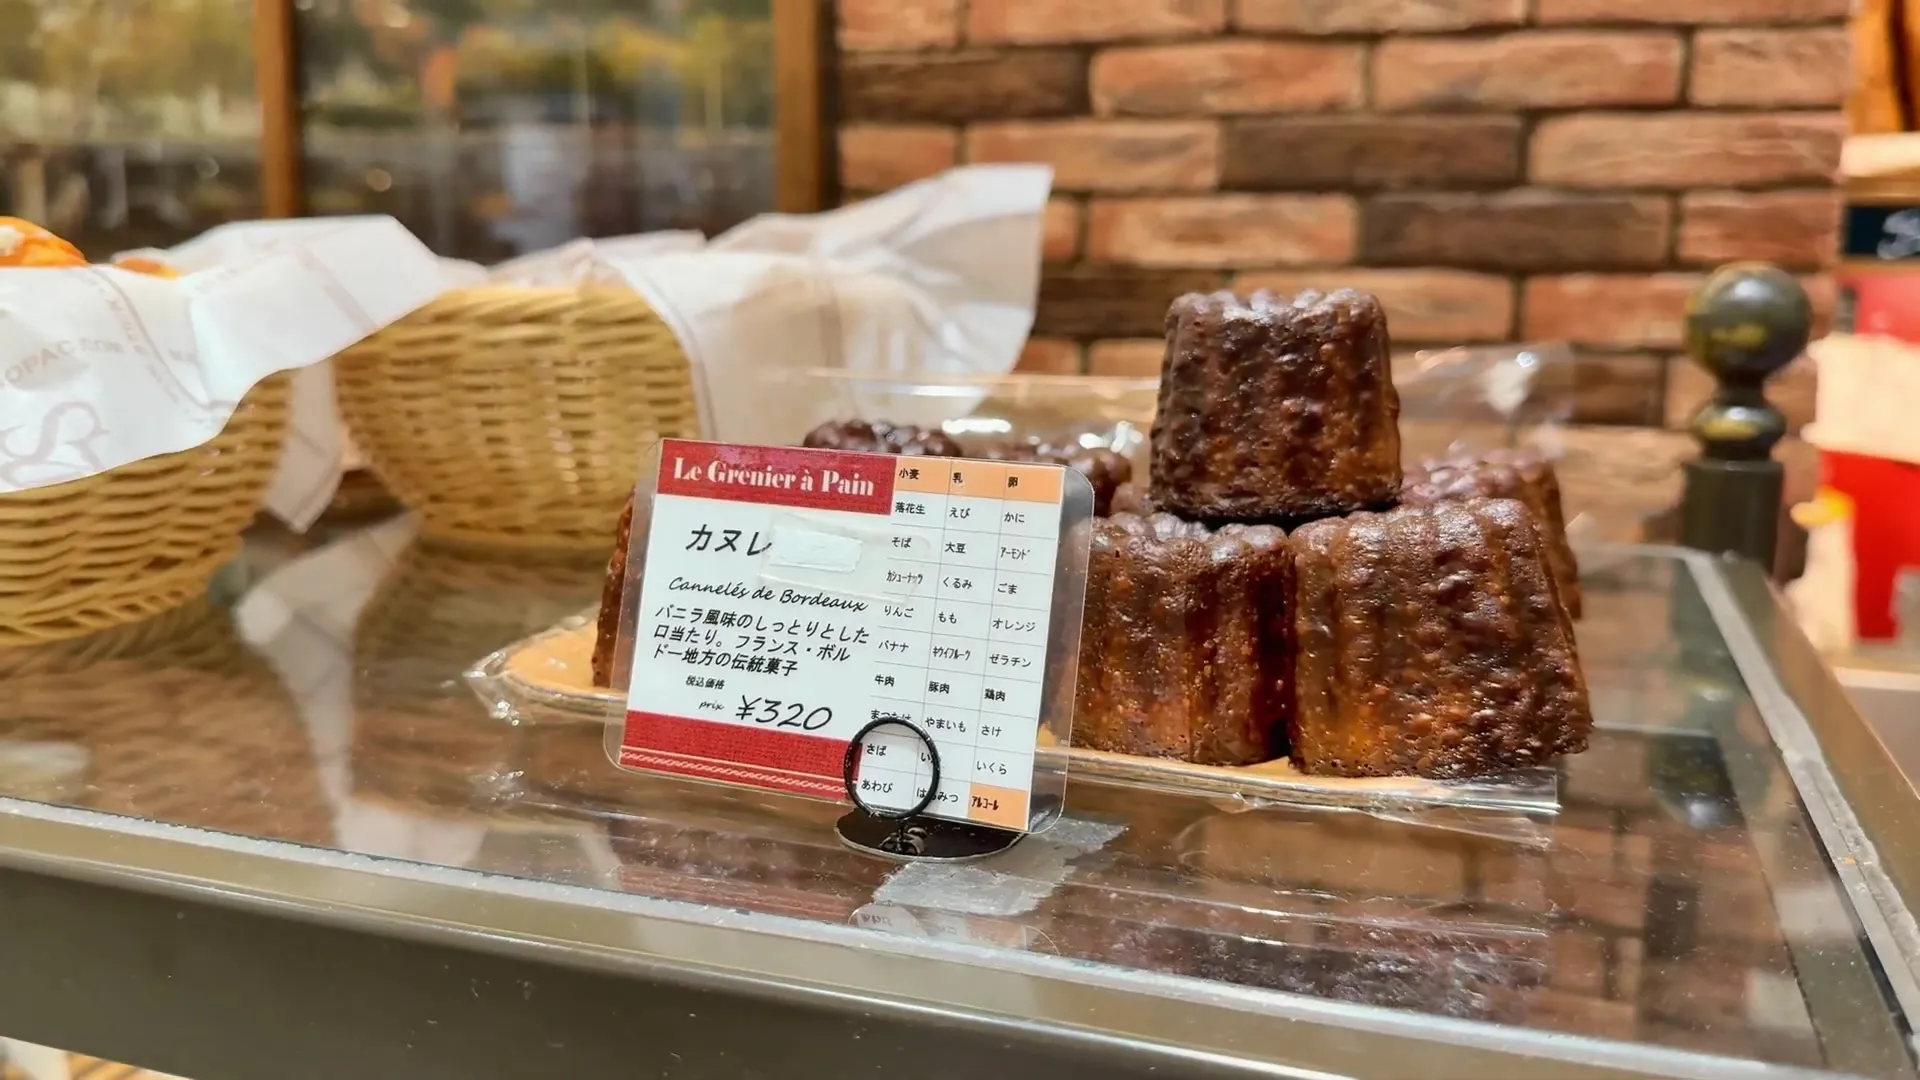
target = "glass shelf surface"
x: 1679, y: 900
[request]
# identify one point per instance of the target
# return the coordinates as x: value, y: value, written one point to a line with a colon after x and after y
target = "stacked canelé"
x: 1281, y: 587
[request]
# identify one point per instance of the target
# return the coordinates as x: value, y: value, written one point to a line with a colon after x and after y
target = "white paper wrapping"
x: 937, y: 278
x: 318, y: 451
x: 104, y: 367
x: 585, y: 262
x: 1863, y: 402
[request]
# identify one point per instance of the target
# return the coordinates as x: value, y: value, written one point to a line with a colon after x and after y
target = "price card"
x: 784, y: 600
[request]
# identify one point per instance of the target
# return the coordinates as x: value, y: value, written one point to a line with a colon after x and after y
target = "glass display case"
x: 489, y: 129
x: 282, y: 837
x: 494, y: 129
x: 129, y: 125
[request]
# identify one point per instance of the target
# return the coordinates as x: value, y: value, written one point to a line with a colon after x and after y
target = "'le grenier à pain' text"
x: 761, y: 476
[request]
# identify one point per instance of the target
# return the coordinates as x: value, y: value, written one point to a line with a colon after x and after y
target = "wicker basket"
x: 516, y: 417
x: 134, y: 541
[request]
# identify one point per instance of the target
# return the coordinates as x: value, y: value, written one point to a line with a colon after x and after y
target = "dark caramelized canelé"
x: 1131, y: 498
x: 1275, y: 409
x: 1430, y: 641
x: 1183, y: 650
x: 880, y: 437
x: 607, y: 633
x: 1504, y: 474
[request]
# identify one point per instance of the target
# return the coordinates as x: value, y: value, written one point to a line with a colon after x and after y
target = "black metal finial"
x: 1746, y: 322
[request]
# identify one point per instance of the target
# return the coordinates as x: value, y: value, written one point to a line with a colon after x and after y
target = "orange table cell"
x: 927, y: 475
x: 1004, y: 808
x: 1034, y: 483
x: 976, y: 479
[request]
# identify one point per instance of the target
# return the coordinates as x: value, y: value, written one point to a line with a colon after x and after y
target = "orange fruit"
x: 22, y: 243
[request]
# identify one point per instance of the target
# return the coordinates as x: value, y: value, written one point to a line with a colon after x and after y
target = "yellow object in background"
x: 140, y: 264
x: 22, y: 243
x: 1822, y: 597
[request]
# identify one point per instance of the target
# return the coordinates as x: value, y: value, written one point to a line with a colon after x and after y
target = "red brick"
x: 1108, y: 155
x: 1580, y: 962
x: 1518, y: 230
x: 1355, y: 858
x: 1132, y: 357
x: 1528, y: 70
x: 1796, y: 229
x: 1686, y: 150
x: 1770, y: 68
x: 1029, y: 21
x: 1623, y: 310
x: 897, y: 24
x: 1613, y: 773
x: 1825, y: 294
x: 1204, y: 78
x: 1098, y: 300
x: 1049, y: 356
x: 1224, y: 230
x: 1349, y: 151
x: 1619, y: 388
x: 1060, y: 240
x: 1695, y: 12
x: 876, y: 157
x: 1438, y: 307
x: 957, y: 87
x: 1559, y: 1010
x: 1628, y: 964
x: 1376, y: 16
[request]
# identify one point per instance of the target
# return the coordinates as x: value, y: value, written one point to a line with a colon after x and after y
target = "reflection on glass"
x: 496, y: 127
x: 128, y: 123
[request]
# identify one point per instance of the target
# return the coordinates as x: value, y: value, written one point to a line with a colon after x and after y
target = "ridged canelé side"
x: 607, y: 632
x: 1504, y: 474
x: 1430, y: 642
x: 1183, y: 649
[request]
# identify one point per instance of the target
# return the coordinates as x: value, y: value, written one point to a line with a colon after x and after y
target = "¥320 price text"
x: 785, y: 714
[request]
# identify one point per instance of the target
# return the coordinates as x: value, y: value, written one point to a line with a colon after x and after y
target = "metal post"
x: 1748, y: 321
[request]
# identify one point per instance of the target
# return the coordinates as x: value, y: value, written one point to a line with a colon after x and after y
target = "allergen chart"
x: 792, y: 597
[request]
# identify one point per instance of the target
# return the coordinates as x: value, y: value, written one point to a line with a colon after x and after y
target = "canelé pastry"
x: 880, y: 437
x: 1183, y: 650
x: 1275, y: 409
x: 1429, y: 640
x: 1131, y: 498
x: 1104, y: 469
x: 608, y: 630
x: 1504, y: 474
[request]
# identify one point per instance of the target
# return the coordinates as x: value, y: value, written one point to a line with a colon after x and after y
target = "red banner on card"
x: 778, y: 475
x: 775, y: 760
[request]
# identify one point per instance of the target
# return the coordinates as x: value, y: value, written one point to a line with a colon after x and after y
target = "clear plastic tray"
x: 545, y: 684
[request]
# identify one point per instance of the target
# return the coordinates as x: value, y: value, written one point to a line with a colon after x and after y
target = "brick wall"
x: 1495, y: 170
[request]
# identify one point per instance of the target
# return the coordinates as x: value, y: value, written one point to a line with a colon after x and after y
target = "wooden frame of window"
x: 802, y: 165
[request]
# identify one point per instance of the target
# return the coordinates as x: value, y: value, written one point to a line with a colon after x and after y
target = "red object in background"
x: 1886, y: 304
x: 1886, y: 530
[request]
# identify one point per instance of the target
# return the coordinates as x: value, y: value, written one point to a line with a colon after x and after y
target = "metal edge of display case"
x: 1863, y: 809
x: 995, y: 1009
